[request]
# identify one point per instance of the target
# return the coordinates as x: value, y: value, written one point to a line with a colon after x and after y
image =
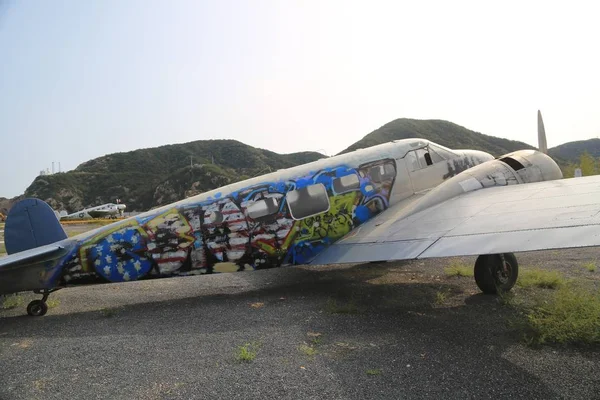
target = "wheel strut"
x: 37, y: 308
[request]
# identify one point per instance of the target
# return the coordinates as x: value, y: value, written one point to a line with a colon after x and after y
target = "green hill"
x: 573, y: 150
x: 146, y: 178
x: 442, y: 132
x: 149, y: 177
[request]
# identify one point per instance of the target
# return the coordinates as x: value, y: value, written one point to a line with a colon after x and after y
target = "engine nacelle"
x: 532, y: 166
x: 523, y: 166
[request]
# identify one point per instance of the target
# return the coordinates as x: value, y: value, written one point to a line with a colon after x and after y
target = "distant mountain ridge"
x: 150, y: 177
x: 145, y: 178
x: 442, y: 132
x: 572, y: 150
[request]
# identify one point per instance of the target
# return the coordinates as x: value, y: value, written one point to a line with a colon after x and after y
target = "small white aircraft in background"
x: 109, y: 210
x: 408, y: 199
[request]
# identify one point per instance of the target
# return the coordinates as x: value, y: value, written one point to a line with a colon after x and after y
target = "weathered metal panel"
x: 365, y: 252
x: 515, y: 241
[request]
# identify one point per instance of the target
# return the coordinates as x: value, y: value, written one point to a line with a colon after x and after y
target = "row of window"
x: 313, y: 199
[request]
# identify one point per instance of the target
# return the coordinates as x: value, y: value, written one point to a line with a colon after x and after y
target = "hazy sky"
x: 80, y: 79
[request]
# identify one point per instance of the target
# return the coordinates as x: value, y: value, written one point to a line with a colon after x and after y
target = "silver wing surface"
x: 556, y: 214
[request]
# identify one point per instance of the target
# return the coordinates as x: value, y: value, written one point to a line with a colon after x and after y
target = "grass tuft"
x: 570, y: 316
x: 315, y: 338
x: 590, y: 266
x: 108, y: 312
x: 540, y: 278
x: 247, y: 352
x: 307, y: 350
x: 458, y: 269
x: 52, y: 303
x: 334, y: 307
x: 11, y: 302
x: 508, y: 299
x: 376, y: 371
x: 440, y: 297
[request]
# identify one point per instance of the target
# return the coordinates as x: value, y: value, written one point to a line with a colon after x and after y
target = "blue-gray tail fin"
x: 31, y: 223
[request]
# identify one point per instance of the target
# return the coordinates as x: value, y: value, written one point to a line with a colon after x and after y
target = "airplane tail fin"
x: 542, y: 145
x: 31, y: 223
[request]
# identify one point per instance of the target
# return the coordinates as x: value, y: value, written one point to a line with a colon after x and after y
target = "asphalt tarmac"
x: 334, y: 332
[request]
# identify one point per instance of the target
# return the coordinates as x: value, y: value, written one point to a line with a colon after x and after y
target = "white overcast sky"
x: 80, y: 79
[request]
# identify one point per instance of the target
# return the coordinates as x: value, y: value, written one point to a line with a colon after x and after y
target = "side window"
x: 435, y: 157
x: 381, y: 173
x: 308, y: 201
x: 411, y: 161
x: 444, y: 153
x: 263, y: 208
x: 215, y: 217
x: 424, y: 158
x: 346, y: 184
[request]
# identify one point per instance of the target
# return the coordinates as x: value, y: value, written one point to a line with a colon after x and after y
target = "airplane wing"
x: 555, y: 214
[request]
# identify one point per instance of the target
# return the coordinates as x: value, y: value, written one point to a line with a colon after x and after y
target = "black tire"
x: 490, y: 275
x: 37, y: 308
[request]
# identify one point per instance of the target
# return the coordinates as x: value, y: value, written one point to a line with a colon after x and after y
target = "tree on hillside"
x: 587, y: 163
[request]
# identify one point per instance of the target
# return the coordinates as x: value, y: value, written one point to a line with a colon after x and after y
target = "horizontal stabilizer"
x: 23, y: 271
x: 31, y: 223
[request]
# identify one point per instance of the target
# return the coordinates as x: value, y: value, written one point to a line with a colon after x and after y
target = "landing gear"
x: 496, y: 273
x: 38, y: 308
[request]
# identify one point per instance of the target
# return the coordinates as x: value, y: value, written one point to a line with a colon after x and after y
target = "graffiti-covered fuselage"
x: 283, y: 218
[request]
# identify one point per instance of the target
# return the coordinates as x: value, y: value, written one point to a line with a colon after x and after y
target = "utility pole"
x: 53, y: 167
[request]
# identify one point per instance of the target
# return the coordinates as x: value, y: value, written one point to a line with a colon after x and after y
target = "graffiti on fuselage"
x: 458, y: 165
x: 227, y: 233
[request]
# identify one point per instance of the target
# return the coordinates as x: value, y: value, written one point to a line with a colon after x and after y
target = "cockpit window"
x: 426, y: 156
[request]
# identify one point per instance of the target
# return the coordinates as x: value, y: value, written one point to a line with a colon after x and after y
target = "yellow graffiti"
x: 183, y: 229
x: 333, y: 224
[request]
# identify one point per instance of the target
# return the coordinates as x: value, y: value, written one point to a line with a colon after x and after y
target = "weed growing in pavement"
x: 52, y: 303
x: 335, y: 307
x: 376, y: 371
x: 570, y: 316
x: 247, y: 352
x: 540, y: 278
x: 590, y: 266
x: 458, y: 269
x: 440, y: 297
x: 12, y: 302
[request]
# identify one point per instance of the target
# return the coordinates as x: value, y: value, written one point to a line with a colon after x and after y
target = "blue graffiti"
x: 116, y: 257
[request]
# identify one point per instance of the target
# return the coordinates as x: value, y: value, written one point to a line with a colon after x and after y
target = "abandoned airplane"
x: 407, y: 199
